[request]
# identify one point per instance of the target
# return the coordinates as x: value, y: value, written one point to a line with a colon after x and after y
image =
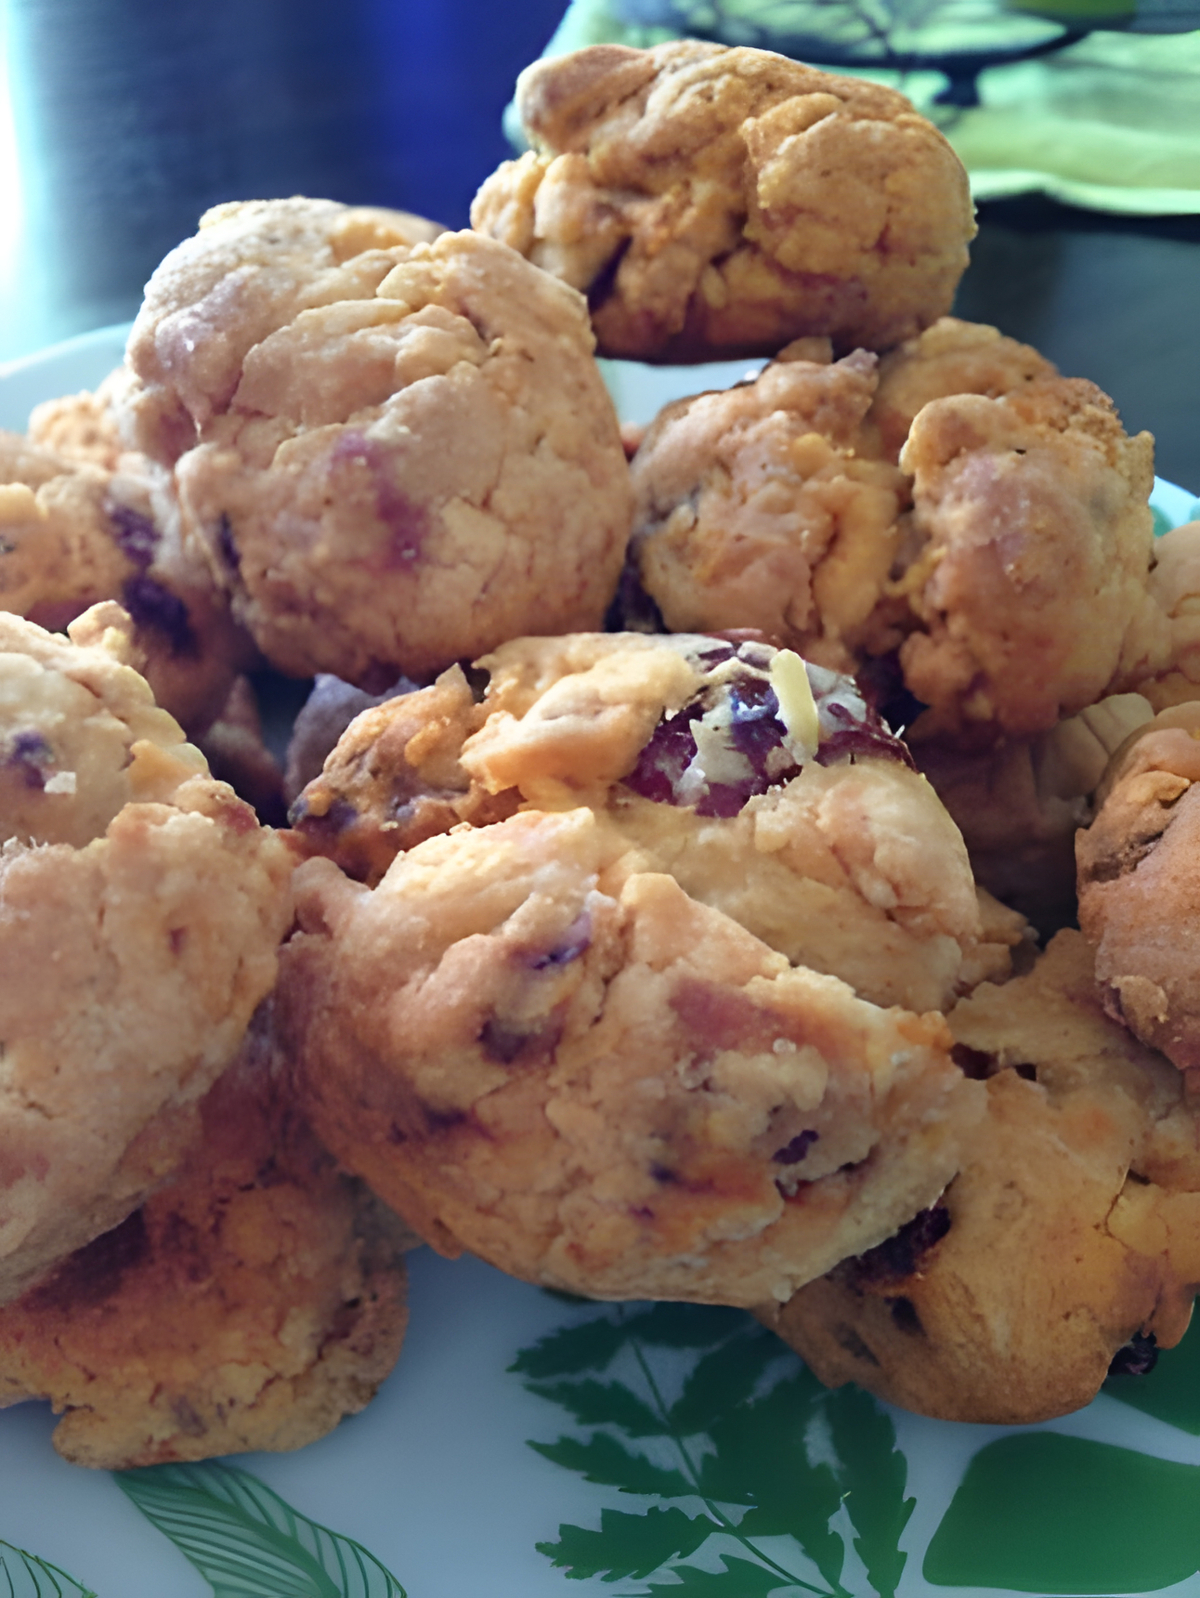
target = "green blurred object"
x: 1094, y: 103
x: 1091, y: 13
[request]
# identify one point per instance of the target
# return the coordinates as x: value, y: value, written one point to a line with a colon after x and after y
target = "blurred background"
x: 122, y: 120
x: 125, y: 119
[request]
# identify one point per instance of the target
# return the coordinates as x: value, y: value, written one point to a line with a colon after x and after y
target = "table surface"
x: 129, y: 118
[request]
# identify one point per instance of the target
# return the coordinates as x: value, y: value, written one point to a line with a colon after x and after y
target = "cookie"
x: 534, y: 1047
x: 951, y: 357
x: 768, y: 791
x: 1031, y: 547
x: 1020, y: 804
x: 1170, y: 659
x: 84, y: 427
x: 1139, y: 893
x: 1070, y: 1236
x: 1001, y: 571
x: 75, y: 532
x: 389, y: 483
x: 717, y: 202
x: 140, y: 912
x: 253, y: 266
x: 759, y: 507
x: 251, y: 1304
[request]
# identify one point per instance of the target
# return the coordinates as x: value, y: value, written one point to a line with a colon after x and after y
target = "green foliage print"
x: 246, y: 1541
x: 768, y: 1476
x: 24, y: 1575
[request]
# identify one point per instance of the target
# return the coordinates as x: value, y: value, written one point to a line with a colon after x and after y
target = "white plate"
x: 437, y: 1481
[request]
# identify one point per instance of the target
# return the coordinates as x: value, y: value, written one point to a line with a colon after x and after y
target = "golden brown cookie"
x: 717, y: 202
x: 1001, y: 573
x: 250, y: 1304
x: 75, y: 532
x: 1072, y: 1229
x: 1139, y: 887
x: 951, y: 357
x: 140, y: 910
x: 534, y: 1047
x: 84, y: 427
x: 766, y: 789
x: 1019, y: 804
x: 1032, y: 544
x: 399, y: 461
x: 1169, y: 663
x: 758, y: 507
x: 252, y: 267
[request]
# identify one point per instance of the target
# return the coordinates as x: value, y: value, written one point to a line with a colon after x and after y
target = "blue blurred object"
x: 131, y: 117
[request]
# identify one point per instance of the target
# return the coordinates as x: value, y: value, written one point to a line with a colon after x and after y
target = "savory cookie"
x: 140, y: 910
x: 534, y: 1047
x: 765, y: 788
x: 715, y: 202
x: 250, y: 1304
x: 1071, y: 1232
x: 1139, y: 884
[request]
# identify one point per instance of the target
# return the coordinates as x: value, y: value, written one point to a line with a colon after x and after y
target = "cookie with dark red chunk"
x: 140, y: 909
x: 535, y: 1045
x: 650, y: 1027
x: 102, y: 524
x: 765, y: 786
x: 396, y: 450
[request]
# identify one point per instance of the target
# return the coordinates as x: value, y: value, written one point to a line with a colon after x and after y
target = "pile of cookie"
x: 599, y: 920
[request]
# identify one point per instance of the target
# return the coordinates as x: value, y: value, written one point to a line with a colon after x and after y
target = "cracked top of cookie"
x: 715, y: 201
x: 250, y: 269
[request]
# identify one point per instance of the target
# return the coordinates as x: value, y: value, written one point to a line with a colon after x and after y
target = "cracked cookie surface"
x: 718, y: 202
x: 594, y: 1081
x: 394, y: 458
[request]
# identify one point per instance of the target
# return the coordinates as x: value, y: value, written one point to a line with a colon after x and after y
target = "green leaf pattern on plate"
x: 24, y: 1575
x: 247, y: 1542
x: 1040, y: 1512
x: 1171, y: 1391
x: 784, y: 1477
